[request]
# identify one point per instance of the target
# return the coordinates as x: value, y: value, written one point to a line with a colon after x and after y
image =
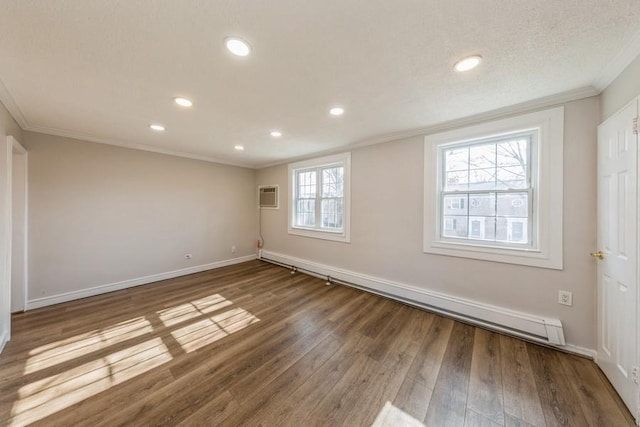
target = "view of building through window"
x: 486, y: 192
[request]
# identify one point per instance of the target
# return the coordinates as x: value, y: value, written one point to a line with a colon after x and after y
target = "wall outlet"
x: 565, y: 298
x: 233, y: 249
x: 188, y: 256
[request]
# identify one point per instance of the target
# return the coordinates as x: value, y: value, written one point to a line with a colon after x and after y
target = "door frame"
x: 11, y: 146
x: 19, y: 154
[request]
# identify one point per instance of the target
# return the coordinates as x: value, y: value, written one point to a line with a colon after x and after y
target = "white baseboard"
x: 4, y: 338
x: 97, y: 290
x: 531, y: 327
x: 582, y: 351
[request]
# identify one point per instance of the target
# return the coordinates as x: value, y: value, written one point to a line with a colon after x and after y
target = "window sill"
x: 318, y: 234
x: 521, y: 256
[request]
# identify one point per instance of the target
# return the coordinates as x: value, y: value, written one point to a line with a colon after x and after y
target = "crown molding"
x: 621, y: 61
x: 11, y: 106
x: 524, y: 107
x: 133, y: 146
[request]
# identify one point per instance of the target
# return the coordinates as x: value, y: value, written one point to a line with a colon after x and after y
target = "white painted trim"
x: 97, y: 290
x: 20, y: 150
x: 522, y: 108
x: 5, y: 282
x: 618, y: 64
x: 523, y: 325
x: 582, y: 351
x: 4, y: 339
x: 17, y: 147
x: 134, y: 146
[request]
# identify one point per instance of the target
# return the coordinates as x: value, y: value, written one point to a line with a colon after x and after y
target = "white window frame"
x: 547, y: 183
x: 342, y: 159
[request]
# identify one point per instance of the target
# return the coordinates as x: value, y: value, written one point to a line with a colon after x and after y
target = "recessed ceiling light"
x: 157, y: 127
x: 468, y: 63
x: 183, y: 102
x: 336, y: 111
x: 276, y: 133
x: 237, y: 46
x: 239, y: 147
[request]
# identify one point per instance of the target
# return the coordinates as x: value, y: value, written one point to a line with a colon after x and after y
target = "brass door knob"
x: 599, y: 254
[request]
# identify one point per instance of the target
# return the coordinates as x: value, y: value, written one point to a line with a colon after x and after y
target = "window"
x: 494, y: 191
x: 319, y: 194
x: 495, y: 175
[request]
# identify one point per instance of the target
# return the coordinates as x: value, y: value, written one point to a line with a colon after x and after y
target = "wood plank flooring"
x: 253, y: 345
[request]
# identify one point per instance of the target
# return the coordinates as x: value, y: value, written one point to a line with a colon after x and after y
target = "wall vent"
x: 268, y: 196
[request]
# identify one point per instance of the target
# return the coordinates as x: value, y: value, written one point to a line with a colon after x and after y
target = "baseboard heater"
x: 522, y: 325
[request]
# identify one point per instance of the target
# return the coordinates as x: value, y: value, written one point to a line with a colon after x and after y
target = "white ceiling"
x: 104, y: 70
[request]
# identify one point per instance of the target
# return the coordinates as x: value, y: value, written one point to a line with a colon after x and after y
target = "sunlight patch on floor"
x: 180, y: 313
x: 79, y: 345
x: 390, y: 416
x: 43, y: 397
x: 47, y: 396
x: 210, y: 330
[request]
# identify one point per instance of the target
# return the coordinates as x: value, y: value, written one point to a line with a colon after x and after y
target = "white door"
x: 618, y: 245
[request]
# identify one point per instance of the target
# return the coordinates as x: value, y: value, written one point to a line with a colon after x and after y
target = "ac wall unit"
x: 268, y: 196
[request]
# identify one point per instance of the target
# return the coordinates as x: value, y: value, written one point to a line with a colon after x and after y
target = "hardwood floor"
x: 252, y: 345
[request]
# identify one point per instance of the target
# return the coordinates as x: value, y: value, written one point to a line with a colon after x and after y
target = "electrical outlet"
x: 565, y: 298
x: 188, y: 256
x: 233, y: 249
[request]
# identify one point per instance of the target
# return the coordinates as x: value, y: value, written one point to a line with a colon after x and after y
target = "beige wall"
x: 8, y: 126
x: 101, y: 214
x: 622, y: 90
x: 386, y: 232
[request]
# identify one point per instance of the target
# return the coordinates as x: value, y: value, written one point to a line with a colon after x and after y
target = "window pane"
x: 457, y: 180
x: 513, y: 205
x: 454, y: 226
x: 456, y: 159
x: 332, y: 182
x: 482, y: 179
x: 513, y: 153
x: 483, y: 204
x: 455, y: 204
x: 482, y: 156
x: 487, y: 216
x: 475, y: 228
x: 306, y: 184
x: 305, y: 213
x: 512, y: 177
x: 517, y: 231
x: 513, y: 230
x: 482, y: 228
x: 332, y: 213
x: 488, y: 166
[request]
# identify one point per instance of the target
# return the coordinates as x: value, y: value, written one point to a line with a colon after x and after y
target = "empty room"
x: 319, y: 213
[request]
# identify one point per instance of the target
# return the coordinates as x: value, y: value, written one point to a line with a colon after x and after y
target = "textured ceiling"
x: 104, y: 70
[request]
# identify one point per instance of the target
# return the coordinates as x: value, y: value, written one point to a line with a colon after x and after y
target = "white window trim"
x: 549, y: 189
x: 343, y: 236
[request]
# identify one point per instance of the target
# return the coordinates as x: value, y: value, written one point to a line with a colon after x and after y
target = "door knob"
x: 599, y: 254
